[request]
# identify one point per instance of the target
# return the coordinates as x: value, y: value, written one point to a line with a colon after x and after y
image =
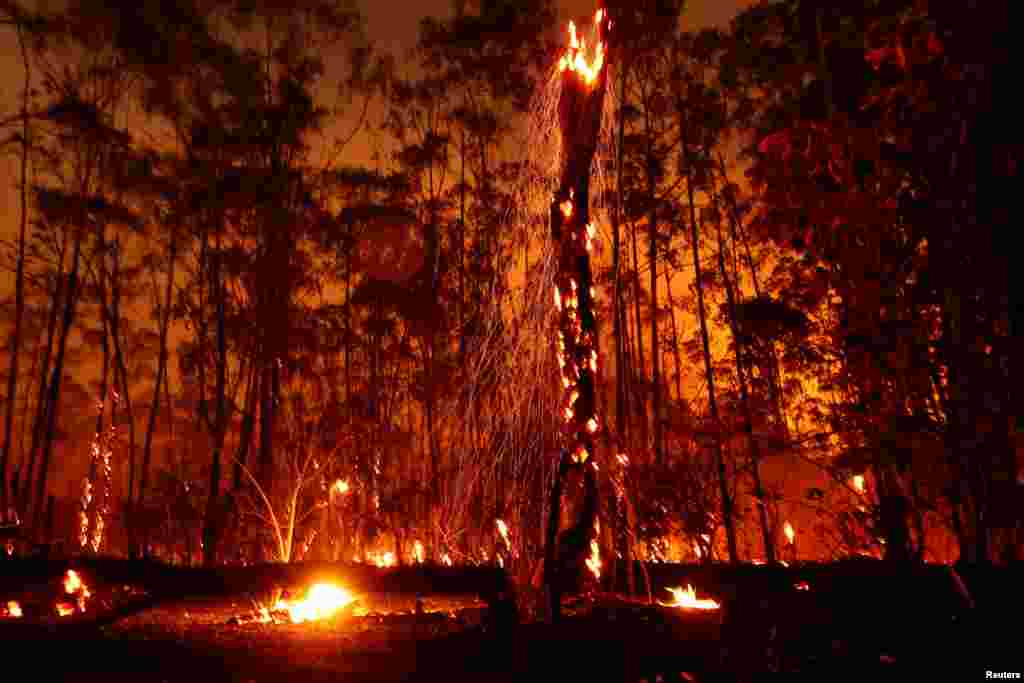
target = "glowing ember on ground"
x: 802, y: 586
x: 65, y: 609
x: 687, y: 599
x: 323, y: 601
x: 13, y: 610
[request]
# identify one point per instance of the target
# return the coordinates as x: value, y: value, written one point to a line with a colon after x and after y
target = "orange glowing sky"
x: 394, y: 27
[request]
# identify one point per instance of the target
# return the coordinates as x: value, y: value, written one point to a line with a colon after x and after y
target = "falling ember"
x: 323, y: 601
x: 790, y: 534
x: 13, y: 610
x: 594, y: 561
x: 687, y: 599
x: 858, y: 483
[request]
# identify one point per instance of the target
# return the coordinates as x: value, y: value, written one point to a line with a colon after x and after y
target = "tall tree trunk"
x: 161, y: 373
x: 748, y: 422
x: 621, y: 436
x: 55, y: 382
x: 211, y: 523
x: 122, y: 367
x: 43, y: 395
x: 652, y: 256
x: 639, y: 365
x: 19, y: 279
x: 675, y: 337
x: 723, y: 481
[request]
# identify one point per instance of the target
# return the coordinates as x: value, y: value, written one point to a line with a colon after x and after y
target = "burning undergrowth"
x: 71, y: 596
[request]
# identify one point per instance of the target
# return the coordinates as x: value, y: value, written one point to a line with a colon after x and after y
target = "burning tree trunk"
x: 580, y: 107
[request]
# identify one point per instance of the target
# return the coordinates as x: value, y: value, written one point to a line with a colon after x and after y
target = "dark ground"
x: 852, y: 624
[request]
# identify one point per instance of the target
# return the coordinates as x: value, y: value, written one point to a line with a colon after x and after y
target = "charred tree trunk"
x: 580, y: 109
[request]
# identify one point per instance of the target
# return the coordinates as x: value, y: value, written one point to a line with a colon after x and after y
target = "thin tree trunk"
x: 212, y: 517
x: 19, y: 280
x: 748, y: 422
x: 43, y: 400
x: 161, y: 372
x: 675, y: 337
x: 638, y: 336
x: 723, y: 482
x: 618, y: 338
x: 652, y: 256
x: 55, y: 383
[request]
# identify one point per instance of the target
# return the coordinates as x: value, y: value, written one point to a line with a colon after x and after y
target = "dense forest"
x: 234, y: 334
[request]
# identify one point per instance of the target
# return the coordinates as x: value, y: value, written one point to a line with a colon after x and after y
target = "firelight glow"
x: 687, y: 599
x: 323, y: 601
x: 790, y: 534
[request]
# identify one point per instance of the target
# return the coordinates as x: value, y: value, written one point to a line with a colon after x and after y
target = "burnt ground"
x: 837, y: 627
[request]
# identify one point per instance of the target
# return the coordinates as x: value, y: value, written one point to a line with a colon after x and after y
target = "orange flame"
x: 341, y: 486
x: 858, y: 483
x: 687, y: 599
x: 574, y: 58
x: 790, y: 534
x: 594, y: 561
x: 65, y: 609
x: 13, y: 610
x: 323, y: 601
x: 503, y: 530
